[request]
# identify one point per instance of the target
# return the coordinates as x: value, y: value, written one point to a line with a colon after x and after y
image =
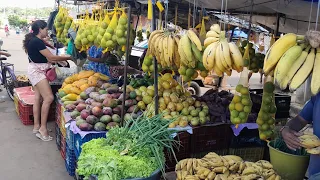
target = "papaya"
x: 92, y: 81
x: 63, y: 85
x: 75, y: 90
x: 75, y: 77
x: 85, y: 74
x: 69, y: 80
x: 84, y: 87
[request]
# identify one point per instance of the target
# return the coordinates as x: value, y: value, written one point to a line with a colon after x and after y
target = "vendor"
x: 309, y: 114
x: 97, y: 60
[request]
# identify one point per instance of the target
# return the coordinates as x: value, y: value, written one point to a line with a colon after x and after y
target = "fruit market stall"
x: 209, y: 128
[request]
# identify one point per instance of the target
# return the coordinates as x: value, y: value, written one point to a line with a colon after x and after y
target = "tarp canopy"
x: 294, y: 13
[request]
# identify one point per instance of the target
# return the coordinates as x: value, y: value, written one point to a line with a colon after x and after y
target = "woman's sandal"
x: 35, y: 131
x: 44, y: 138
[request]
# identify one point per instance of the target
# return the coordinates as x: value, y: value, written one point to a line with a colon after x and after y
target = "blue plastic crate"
x: 78, y: 141
x: 70, y: 161
x: 58, y: 136
x: 70, y: 138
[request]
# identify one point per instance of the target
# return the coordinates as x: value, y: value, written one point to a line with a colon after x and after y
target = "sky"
x: 27, y: 3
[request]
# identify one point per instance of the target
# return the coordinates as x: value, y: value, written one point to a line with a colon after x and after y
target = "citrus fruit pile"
x: 241, y: 105
x: 189, y: 74
x: 266, y: 116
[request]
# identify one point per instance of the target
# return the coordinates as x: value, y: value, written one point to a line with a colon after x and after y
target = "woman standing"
x: 39, y: 62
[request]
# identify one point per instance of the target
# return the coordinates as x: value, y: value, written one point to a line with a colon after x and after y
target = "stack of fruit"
x: 77, y: 83
x: 100, y: 108
x: 138, y: 81
x: 104, y: 23
x: 62, y: 24
x: 174, y: 103
x: 219, y: 55
x: 267, y: 112
x: 148, y: 65
x: 241, y: 105
x: 213, y: 166
x: 255, y: 60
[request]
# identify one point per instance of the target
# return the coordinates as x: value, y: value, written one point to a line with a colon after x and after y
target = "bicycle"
x: 7, y: 77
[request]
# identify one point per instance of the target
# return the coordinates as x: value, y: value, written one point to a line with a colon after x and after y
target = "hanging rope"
x: 315, y: 28
x: 310, y: 15
x: 166, y: 13
x: 225, y: 14
x: 222, y: 2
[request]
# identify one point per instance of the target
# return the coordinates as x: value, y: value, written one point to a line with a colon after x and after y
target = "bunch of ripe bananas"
x: 229, y: 167
x: 311, y: 142
x: 22, y: 78
x: 291, y: 63
x: 219, y: 55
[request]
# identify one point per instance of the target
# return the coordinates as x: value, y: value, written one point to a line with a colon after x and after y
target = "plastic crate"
x: 210, y: 137
x: 282, y: 101
x: 25, y: 113
x: 181, y: 153
x: 252, y: 154
x: 220, y: 152
x: 78, y: 141
x: 70, y: 161
x: 58, y: 136
x: 63, y: 148
x: 70, y: 138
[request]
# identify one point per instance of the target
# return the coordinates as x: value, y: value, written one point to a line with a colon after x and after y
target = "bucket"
x: 288, y: 166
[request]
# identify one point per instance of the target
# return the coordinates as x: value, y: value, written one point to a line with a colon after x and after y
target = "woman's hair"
x: 35, y: 27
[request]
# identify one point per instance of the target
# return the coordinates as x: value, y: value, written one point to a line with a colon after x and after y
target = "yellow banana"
x: 223, y: 61
x: 294, y: 68
x: 165, y: 51
x: 303, y: 72
x: 209, y: 55
x: 286, y: 61
x: 315, y: 81
x: 217, y: 71
x: 212, y: 34
x: 196, y: 52
x: 176, y: 58
x: 236, y: 55
x: 216, y: 28
x: 186, y: 47
x: 170, y: 49
x: 153, y: 36
x: 210, y: 40
x: 277, y: 50
x: 194, y: 39
x: 218, y: 60
x: 226, y: 52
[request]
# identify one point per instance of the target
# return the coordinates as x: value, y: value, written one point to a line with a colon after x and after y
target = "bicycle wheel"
x: 9, y: 81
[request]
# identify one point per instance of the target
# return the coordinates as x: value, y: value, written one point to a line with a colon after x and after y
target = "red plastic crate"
x: 210, y: 137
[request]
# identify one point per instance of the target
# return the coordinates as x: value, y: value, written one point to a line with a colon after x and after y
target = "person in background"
x: 97, y: 60
x: 39, y: 62
x: 290, y: 133
x: 6, y: 30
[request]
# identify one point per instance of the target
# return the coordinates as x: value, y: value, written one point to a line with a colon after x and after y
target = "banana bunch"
x: 229, y: 167
x: 164, y: 46
x: 22, y: 78
x: 311, y: 142
x: 219, y: 55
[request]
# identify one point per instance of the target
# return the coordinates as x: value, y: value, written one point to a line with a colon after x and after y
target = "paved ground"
x: 22, y: 155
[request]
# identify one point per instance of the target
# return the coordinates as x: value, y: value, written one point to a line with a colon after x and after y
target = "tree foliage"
x: 16, y: 21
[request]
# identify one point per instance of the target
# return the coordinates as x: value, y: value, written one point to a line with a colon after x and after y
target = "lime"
x: 186, y: 78
x: 244, y: 91
x: 145, y: 68
x: 90, y: 38
x: 267, y: 100
x: 147, y: 61
x: 151, y: 68
x: 265, y: 127
x: 84, y: 41
x: 204, y: 74
x: 110, y: 30
x: 182, y: 70
x: 231, y: 106
x: 107, y: 36
x: 271, y: 121
x: 242, y: 115
x: 265, y: 116
x: 269, y: 87
x: 247, y: 109
x: 273, y: 109
x: 263, y: 136
x: 234, y: 113
x: 119, y: 33
x: 236, y: 120
x: 246, y: 101
x: 259, y: 122
x: 265, y: 108
x: 104, y: 25
x: 239, y: 87
x: 189, y: 72
x: 236, y: 99
x: 109, y: 43
x: 268, y: 133
x: 238, y: 107
x: 123, y: 20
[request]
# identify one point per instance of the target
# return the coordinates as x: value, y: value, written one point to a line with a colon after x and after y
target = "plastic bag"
x: 108, y: 42
x: 241, y: 104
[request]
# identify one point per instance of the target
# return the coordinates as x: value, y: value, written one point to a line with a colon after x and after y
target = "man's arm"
x: 297, y: 123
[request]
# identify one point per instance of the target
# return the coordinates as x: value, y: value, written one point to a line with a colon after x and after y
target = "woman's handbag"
x: 51, y: 74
